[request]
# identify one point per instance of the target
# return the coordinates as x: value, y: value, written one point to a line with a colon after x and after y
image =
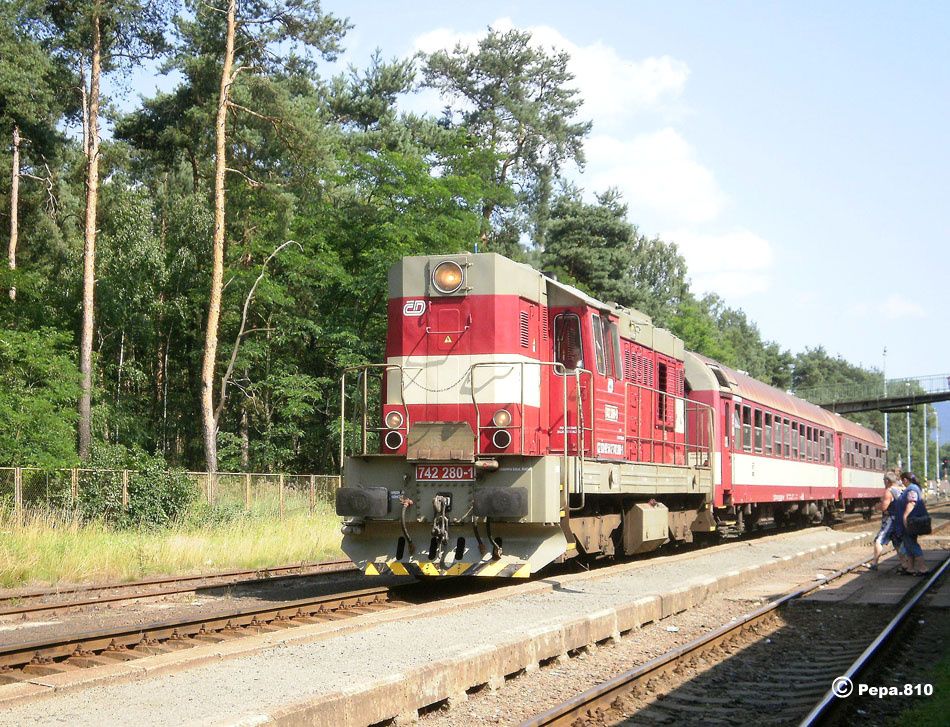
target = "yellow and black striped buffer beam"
x: 504, y: 567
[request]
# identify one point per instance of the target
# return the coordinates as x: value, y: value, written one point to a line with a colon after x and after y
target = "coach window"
x: 598, y: 343
x: 567, y: 341
x: 768, y: 433
x: 747, y: 428
x: 810, y: 452
x: 787, y: 432
x: 828, y: 439
x: 758, y: 431
x: 794, y: 440
x: 778, y: 436
x: 821, y: 446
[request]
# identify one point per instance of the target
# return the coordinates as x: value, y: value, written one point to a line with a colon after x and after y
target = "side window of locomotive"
x: 612, y: 338
x: 567, y: 341
x: 662, y: 384
x: 598, y: 343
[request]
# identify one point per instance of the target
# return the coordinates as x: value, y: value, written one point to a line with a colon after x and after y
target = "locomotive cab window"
x: 612, y: 340
x: 599, y: 357
x: 567, y: 341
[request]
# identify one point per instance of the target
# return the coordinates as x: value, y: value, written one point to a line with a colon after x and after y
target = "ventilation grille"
x: 544, y: 322
x: 630, y: 365
x: 523, y: 333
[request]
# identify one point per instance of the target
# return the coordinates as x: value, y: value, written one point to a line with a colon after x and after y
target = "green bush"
x: 157, y: 496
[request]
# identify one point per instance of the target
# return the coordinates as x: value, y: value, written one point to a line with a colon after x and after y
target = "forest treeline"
x: 188, y: 278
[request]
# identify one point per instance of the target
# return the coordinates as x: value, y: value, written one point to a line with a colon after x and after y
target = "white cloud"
x: 897, y: 306
x: 613, y: 88
x: 659, y: 173
x: 733, y: 264
x: 657, y: 170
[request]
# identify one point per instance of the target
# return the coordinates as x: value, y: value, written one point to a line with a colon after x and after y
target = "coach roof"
x: 749, y: 389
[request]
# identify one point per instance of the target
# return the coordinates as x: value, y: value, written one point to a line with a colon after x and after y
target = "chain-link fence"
x: 24, y: 488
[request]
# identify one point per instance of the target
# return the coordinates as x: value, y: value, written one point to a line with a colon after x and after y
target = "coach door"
x: 726, y: 428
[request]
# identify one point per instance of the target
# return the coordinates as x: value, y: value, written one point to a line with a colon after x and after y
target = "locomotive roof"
x: 700, y: 372
x: 493, y: 274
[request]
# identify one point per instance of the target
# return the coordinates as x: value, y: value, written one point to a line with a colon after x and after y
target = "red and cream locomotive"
x: 524, y: 422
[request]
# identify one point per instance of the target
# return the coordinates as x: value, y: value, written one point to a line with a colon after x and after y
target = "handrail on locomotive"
x: 695, y: 454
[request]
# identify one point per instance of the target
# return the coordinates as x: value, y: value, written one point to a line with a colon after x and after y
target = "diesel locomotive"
x: 517, y: 422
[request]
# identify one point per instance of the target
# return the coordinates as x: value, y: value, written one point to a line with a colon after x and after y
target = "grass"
x: 930, y: 711
x: 49, y: 548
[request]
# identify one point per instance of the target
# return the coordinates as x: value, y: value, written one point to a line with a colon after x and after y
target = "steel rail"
x: 824, y: 706
x: 605, y: 693
x: 44, y: 651
x: 156, y: 586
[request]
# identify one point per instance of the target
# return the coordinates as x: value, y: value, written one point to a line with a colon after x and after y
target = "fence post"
x: 247, y: 492
x: 280, y: 487
x: 74, y: 485
x: 125, y: 489
x: 18, y: 493
x: 313, y: 492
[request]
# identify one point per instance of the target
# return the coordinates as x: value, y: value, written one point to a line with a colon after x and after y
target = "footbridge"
x: 893, y: 395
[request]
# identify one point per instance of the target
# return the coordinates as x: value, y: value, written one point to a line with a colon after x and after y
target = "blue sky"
x: 797, y: 152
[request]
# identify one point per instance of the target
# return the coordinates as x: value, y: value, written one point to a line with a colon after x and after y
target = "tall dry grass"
x: 46, y: 547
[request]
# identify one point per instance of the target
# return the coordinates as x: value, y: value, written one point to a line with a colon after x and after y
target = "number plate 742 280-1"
x: 445, y: 472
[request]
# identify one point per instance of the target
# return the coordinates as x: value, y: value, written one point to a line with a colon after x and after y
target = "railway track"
x: 778, y: 663
x: 101, y: 647
x: 44, y: 602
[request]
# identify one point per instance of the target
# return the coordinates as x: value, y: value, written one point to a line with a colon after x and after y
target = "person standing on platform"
x: 889, y: 515
x: 911, y: 504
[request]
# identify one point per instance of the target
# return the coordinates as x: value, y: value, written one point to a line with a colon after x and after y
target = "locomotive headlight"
x: 501, y: 439
x: 447, y: 277
x: 394, y: 420
x: 502, y: 418
x: 393, y: 440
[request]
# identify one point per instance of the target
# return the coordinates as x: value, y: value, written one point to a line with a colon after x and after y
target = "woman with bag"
x: 913, y: 521
x: 889, y: 516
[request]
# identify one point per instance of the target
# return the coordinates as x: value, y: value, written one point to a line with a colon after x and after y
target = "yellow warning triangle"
x: 448, y: 339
